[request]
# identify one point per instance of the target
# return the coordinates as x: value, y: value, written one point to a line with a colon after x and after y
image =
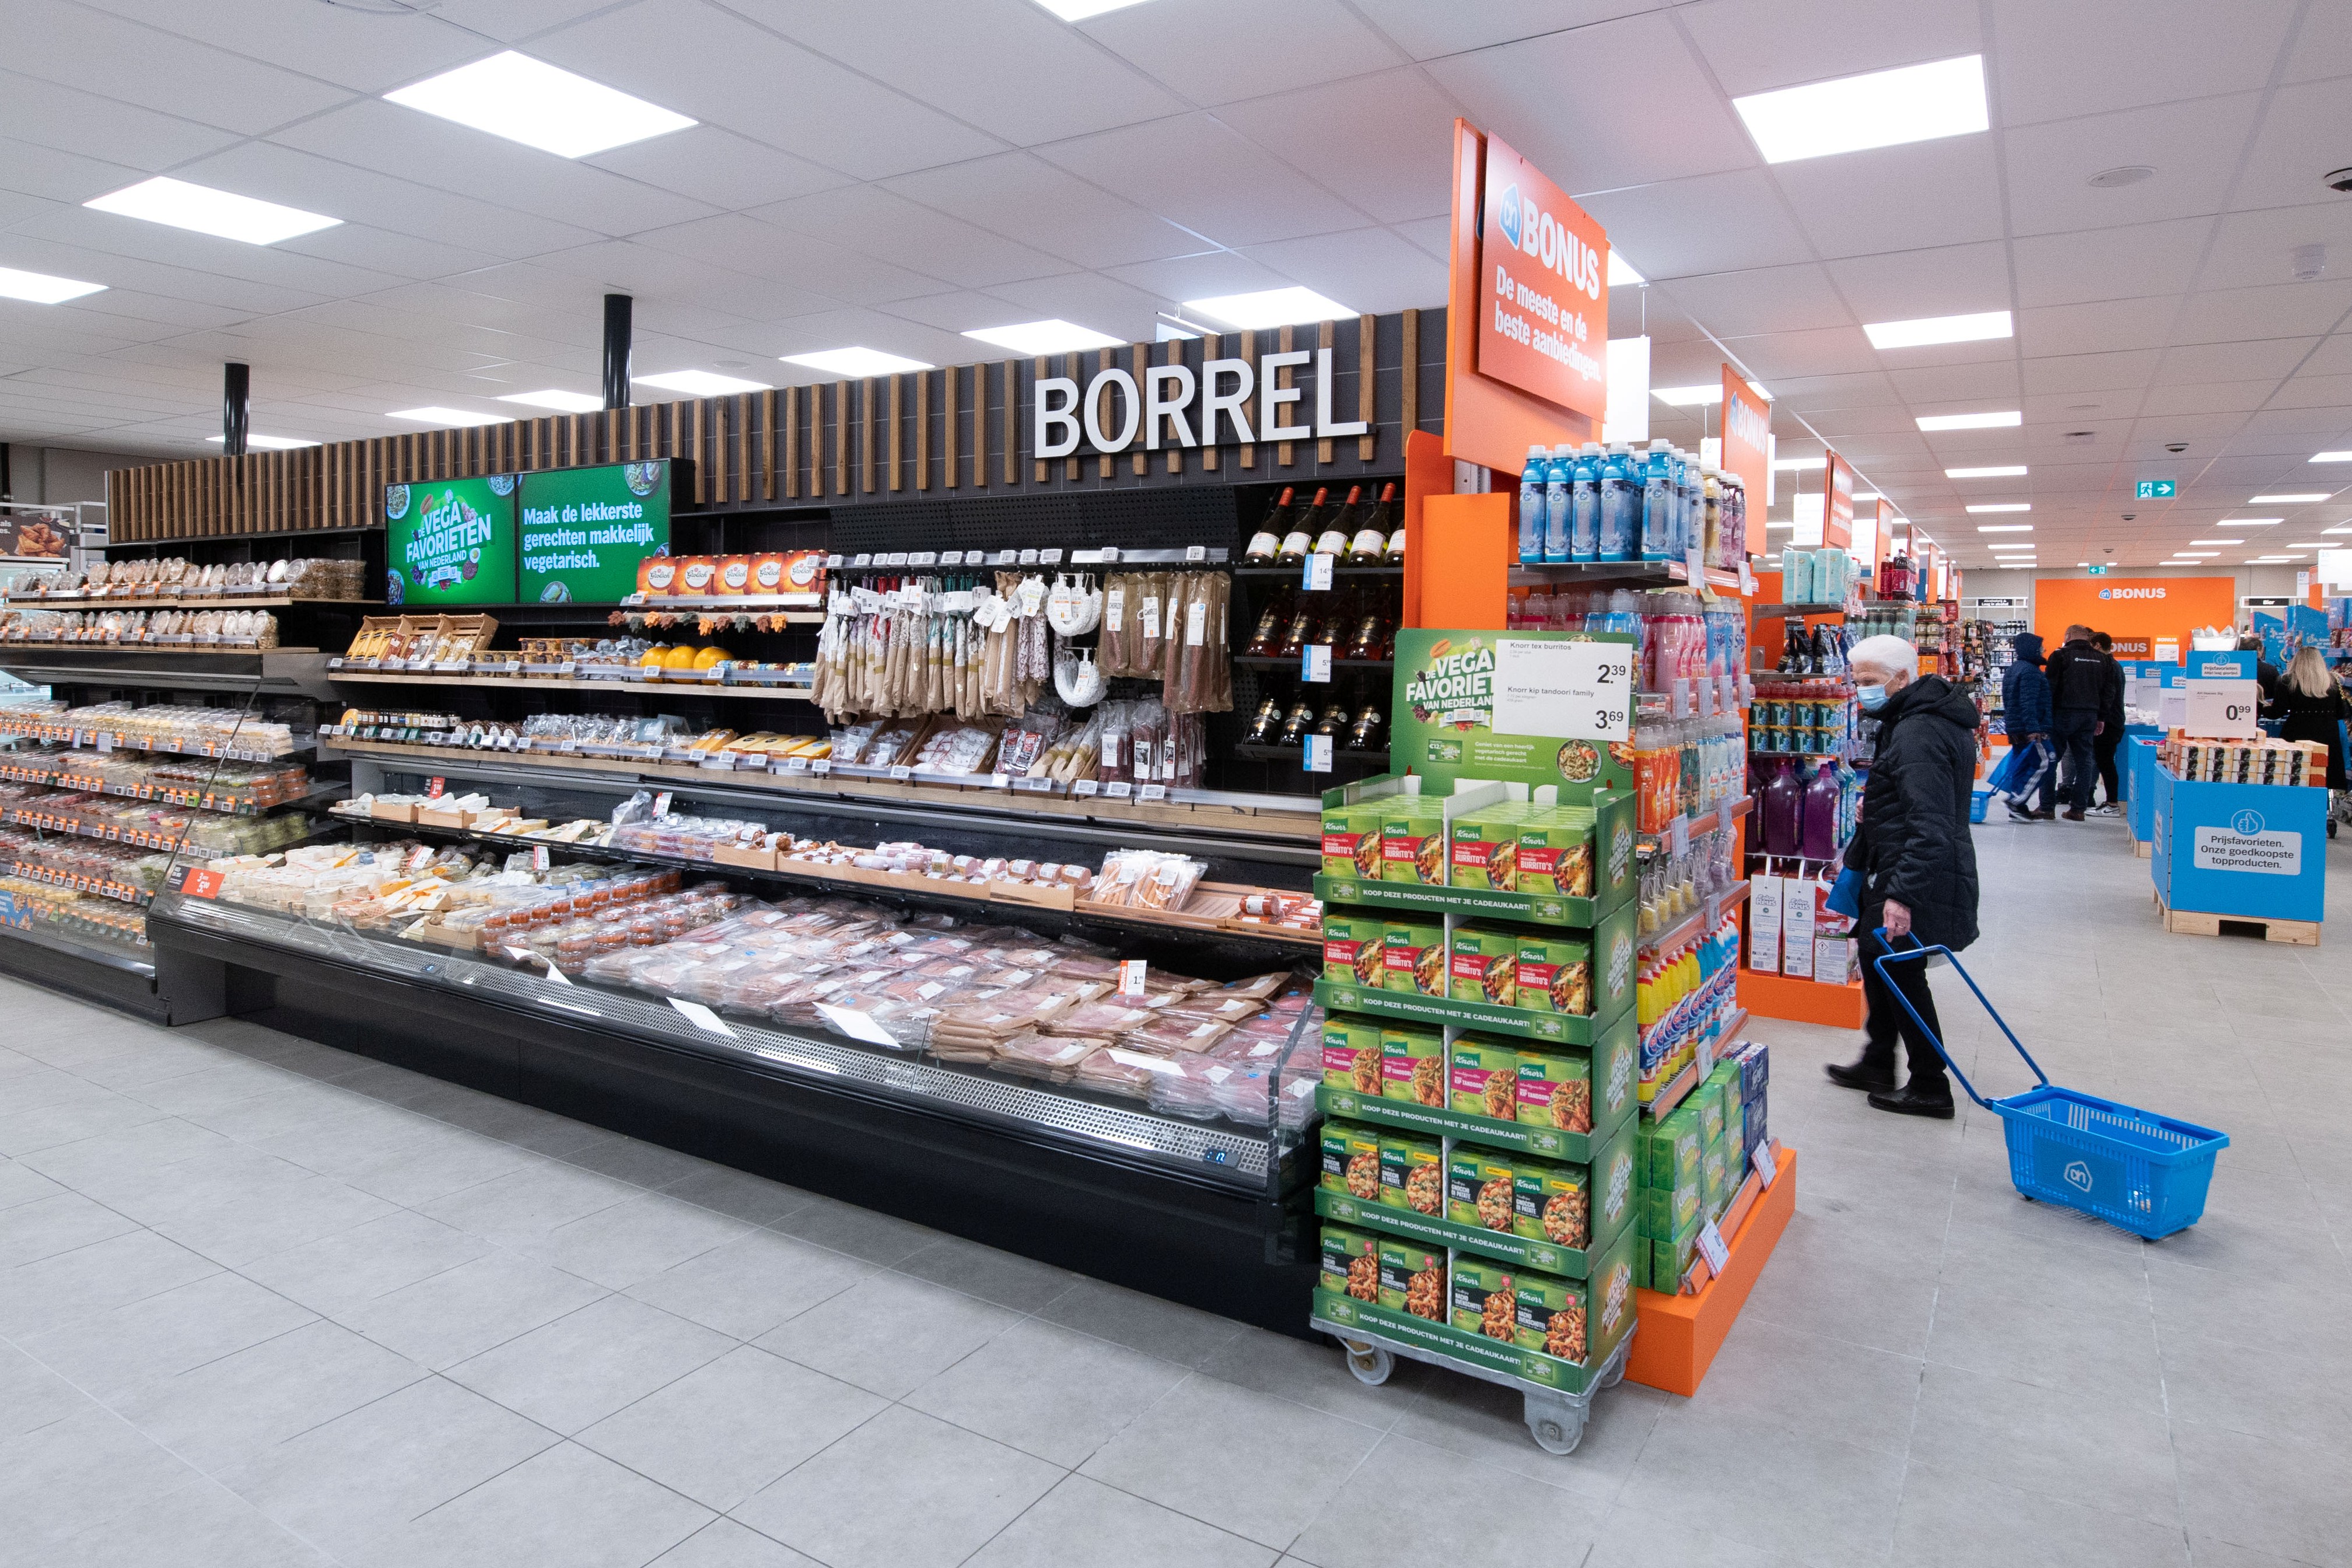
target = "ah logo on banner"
x: 2248, y: 821
x: 1508, y: 216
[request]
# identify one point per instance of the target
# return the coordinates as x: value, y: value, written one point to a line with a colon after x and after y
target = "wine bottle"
x: 1369, y: 729
x: 1294, y: 729
x: 1267, y: 540
x: 1263, y: 723
x: 1338, y: 528
x: 1333, y: 721
x: 1394, y: 554
x: 1300, y: 540
x: 1301, y: 633
x: 1263, y: 640
x: 1371, y: 541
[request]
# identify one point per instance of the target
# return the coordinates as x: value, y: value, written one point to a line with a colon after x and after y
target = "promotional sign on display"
x: 1536, y: 708
x: 35, y: 536
x: 1543, y: 287
x: 585, y: 529
x: 1837, y: 502
x: 2241, y: 851
x: 2153, y: 611
x: 1747, y: 450
x: 451, y: 541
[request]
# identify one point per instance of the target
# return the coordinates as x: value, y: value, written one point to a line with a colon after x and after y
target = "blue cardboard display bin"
x: 2137, y: 772
x: 2255, y: 852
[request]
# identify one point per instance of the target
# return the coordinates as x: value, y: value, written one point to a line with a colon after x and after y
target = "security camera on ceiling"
x: 2130, y: 516
x: 2339, y: 179
x: 2176, y: 446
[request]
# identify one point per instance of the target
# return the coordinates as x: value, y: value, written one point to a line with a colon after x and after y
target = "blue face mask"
x: 1873, y: 697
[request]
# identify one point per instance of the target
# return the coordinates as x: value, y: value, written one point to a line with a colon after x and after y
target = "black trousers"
x: 2103, y: 747
x: 2071, y: 731
x: 1887, y: 1019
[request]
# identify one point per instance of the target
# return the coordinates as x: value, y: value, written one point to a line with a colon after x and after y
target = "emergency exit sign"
x: 2156, y: 490
x: 2098, y: 571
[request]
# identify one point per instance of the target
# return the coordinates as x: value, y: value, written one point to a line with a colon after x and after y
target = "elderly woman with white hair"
x: 1916, y: 862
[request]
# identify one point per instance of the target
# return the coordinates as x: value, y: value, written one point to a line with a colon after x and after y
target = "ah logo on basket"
x: 2078, y: 1176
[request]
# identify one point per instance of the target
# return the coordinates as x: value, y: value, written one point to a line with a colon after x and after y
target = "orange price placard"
x: 1748, y: 448
x: 1543, y: 287
x: 196, y: 882
x: 1837, y: 497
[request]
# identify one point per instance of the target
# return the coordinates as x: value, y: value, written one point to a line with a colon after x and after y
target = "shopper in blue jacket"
x: 2025, y: 713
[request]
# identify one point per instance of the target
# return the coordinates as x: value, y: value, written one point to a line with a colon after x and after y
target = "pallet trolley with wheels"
x: 1555, y: 1416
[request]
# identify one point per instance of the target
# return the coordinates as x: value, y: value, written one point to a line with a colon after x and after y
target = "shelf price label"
x: 1768, y: 1168
x: 1318, y: 573
x: 195, y: 882
x: 1319, y: 754
x: 2221, y: 710
x: 1315, y: 663
x: 1569, y: 690
x: 1711, y: 1248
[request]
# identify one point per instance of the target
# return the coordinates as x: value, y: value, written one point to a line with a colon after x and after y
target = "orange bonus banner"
x: 1543, y: 287
x: 1747, y: 448
x: 1837, y: 508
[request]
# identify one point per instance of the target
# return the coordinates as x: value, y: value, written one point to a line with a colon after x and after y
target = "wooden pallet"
x: 2144, y: 849
x: 2191, y: 923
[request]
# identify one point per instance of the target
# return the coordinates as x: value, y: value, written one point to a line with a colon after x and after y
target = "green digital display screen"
x: 584, y: 531
x: 450, y: 541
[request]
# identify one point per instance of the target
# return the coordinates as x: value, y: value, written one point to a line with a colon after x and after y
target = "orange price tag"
x: 199, y: 883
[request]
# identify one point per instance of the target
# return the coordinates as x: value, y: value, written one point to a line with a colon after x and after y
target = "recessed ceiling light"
x: 1620, y: 272
x: 700, y: 383
x: 266, y: 443
x: 2014, y: 472
x: 2195, y: 554
x: 1079, y: 10
x: 2000, y: 421
x: 1878, y: 108
x: 2312, y: 544
x: 40, y: 288
x: 1050, y: 337
x: 1779, y: 525
x: 1927, y: 330
x: 1688, y: 396
x: 1787, y: 464
x: 2004, y: 506
x: 855, y: 362
x: 2299, y: 500
x: 539, y: 105
x: 221, y: 214
x: 1867, y: 495
x: 2331, y: 457
x: 2248, y: 521
x: 2339, y: 528
x: 1270, y: 308
x: 2004, y: 528
x: 434, y: 415
x: 556, y: 398
x: 2231, y: 543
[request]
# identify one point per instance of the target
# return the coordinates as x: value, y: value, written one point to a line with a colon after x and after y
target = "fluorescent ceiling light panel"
x: 1786, y: 464
x: 2339, y: 528
x: 1079, y: 10
x: 852, y: 362
x: 2006, y: 420
x: 433, y: 413
x: 700, y: 383
x: 2314, y: 544
x: 539, y: 105
x: 1878, y: 108
x: 2195, y: 554
x: 40, y: 288
x: 222, y: 214
x: 2248, y: 521
x: 2004, y: 506
x: 1270, y: 308
x: 1867, y: 495
x: 1688, y: 396
x: 2230, y: 543
x: 1051, y: 337
x: 555, y: 398
x: 1620, y: 272
x: 266, y: 443
x: 1980, y: 328
x: 2331, y: 457
x: 2301, y: 499
x: 2015, y: 472
x: 1779, y: 525
x: 2004, y: 528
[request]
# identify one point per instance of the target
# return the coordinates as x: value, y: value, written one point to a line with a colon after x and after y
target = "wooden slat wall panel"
x: 1211, y: 347
x: 1249, y: 358
x: 1325, y: 339
x: 1410, y: 407
x: 1366, y: 385
x: 1012, y: 410
x: 947, y: 406
x: 922, y: 430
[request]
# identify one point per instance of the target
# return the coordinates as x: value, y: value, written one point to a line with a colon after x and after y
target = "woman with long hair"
x: 2309, y: 703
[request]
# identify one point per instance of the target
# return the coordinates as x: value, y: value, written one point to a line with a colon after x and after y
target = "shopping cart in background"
x: 2135, y: 1170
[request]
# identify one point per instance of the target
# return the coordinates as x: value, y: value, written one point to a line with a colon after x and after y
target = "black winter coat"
x: 1913, y: 843
x: 2314, y: 718
x: 2084, y: 679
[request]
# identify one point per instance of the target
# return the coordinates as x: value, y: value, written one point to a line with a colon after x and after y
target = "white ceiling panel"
x: 1848, y: 425
x: 2262, y: 360
x: 1991, y: 385
x: 2055, y: 373
x: 2109, y: 263
x: 1050, y: 209
x: 15, y: 206
x: 2193, y: 146
x: 350, y: 48
x: 1716, y: 223
x: 2330, y: 356
x: 809, y: 273
x: 1662, y: 122
x: 2289, y: 310
x: 1427, y: 31
x: 84, y: 229
x: 1203, y: 175
x: 1833, y: 351
x: 2058, y: 61
x: 1757, y: 45
x: 1366, y: 269
x: 2300, y: 140
x: 1809, y: 394
x: 120, y: 59
x: 1206, y: 276
x: 1766, y: 299
x: 58, y: 175
x: 1945, y: 193
x: 892, y: 228
x: 2207, y: 397
x: 50, y: 115
x: 2315, y: 392
x: 961, y: 311
x: 1100, y: 301
x: 1189, y: 44
x: 1905, y: 285
x: 718, y: 167
x: 2251, y: 249
x: 513, y: 21
x: 1384, y: 142
x: 2104, y: 325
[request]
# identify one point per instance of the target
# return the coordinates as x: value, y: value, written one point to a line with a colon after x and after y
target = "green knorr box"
x: 1413, y: 1064
x: 1483, y: 846
x: 1552, y: 1318
x: 1551, y: 1202
x: 1413, y: 1279
x: 1354, y: 947
x: 1482, y: 963
x: 1352, y: 840
x: 1485, y: 1297
x: 1351, y: 1263
x: 1555, y: 974
x: 1413, y: 840
x: 1673, y: 1184
x: 1479, y: 1187
x: 1670, y: 1259
x: 1735, y: 1139
x: 1412, y: 1174
x: 1555, y: 1089
x: 1413, y: 956
x: 1556, y: 852
x: 1483, y: 1079
x: 1351, y: 1160
x: 1351, y: 1053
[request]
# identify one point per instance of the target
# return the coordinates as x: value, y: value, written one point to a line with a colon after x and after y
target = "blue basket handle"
x: 1922, y: 952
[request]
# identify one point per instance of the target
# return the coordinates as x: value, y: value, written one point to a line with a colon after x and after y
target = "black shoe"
x: 1862, y: 1076
x: 2073, y: 816
x: 1910, y: 1102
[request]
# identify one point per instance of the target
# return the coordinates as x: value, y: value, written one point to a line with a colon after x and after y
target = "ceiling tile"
x: 513, y: 21
x: 1757, y: 45
x: 874, y: 222
x: 120, y: 59
x: 1768, y: 300
x: 1383, y: 142
x: 1809, y: 394
x: 2333, y: 356
x: 2193, y: 146
x: 2207, y: 397
x: 1833, y: 351
x: 1368, y: 269
x: 1204, y: 176
x: 2262, y: 360
x: 1715, y: 223
x: 2254, y: 248
x: 1901, y: 286
x: 2300, y: 140
x: 1190, y: 45
x: 2315, y: 392
x: 1427, y: 31
x: 2105, y: 325
x: 1945, y: 193
x: 2109, y: 263
x: 718, y: 167
x: 1994, y: 383
x: 90, y: 126
x: 1049, y: 207
x: 57, y: 175
x: 1206, y: 276
x: 2288, y: 310
x: 2055, y: 373
x: 2057, y: 61
x: 350, y: 49
x: 1102, y: 303
x: 799, y: 273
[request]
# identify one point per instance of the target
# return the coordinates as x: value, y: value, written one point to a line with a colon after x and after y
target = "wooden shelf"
x: 577, y: 683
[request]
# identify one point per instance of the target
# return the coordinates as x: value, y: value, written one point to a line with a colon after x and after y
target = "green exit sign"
x: 2156, y: 490
x: 2098, y: 571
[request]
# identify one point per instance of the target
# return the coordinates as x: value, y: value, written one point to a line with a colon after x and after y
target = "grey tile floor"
x: 263, y: 1303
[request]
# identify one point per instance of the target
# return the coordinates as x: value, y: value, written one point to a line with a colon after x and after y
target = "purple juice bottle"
x: 1783, y: 798
x: 1818, y: 817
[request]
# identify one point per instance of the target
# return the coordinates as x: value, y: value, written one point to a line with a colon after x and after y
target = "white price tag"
x: 1000, y: 781
x: 1315, y: 663
x: 1130, y: 976
x: 1319, y: 754
x: 1318, y: 573
x: 1086, y: 786
x: 105, y: 739
x: 900, y: 773
x: 539, y: 857
x: 1678, y: 835
x: 1747, y: 580
x: 1120, y: 791
x: 661, y: 804
x: 1151, y: 792
x: 1692, y: 565
x: 1711, y: 1248
x: 1768, y: 1168
x: 795, y: 764
x: 821, y: 766
x: 2220, y: 709
x: 858, y: 1026
x: 702, y: 1018
x: 1582, y: 690
x: 524, y: 956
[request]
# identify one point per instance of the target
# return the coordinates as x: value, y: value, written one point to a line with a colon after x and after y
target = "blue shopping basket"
x: 2137, y: 1171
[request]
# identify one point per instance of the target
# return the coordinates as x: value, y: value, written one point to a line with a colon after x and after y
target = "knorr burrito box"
x: 1413, y: 840
x: 1352, y: 840
x: 1353, y: 947
x: 1413, y: 956
x: 1555, y: 974
x: 1555, y: 852
x: 1484, y: 846
x: 1482, y: 964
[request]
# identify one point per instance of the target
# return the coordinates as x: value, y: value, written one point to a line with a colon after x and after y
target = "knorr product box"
x: 1670, y: 1258
x: 1485, y: 1299
x: 1555, y: 1089
x: 1555, y: 974
x: 1350, y: 1263
x: 1479, y: 1187
x: 1413, y: 956
x: 1484, y: 846
x: 1351, y: 1053
x: 1413, y: 1279
x: 1353, y: 947
x: 1351, y: 841
x: 1413, y: 1064
x: 1556, y: 852
x: 1551, y: 1317
x: 1413, y: 840
x: 1412, y: 1174
x: 1482, y: 964
x: 1484, y: 1079
x: 1551, y: 1203
x: 1351, y: 1160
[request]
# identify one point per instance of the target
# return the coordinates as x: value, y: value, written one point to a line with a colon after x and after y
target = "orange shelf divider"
x: 1801, y: 1001
x: 1676, y: 1337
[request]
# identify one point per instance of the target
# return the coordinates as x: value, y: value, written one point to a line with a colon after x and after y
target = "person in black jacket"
x: 2309, y: 702
x: 1917, y: 861
x: 2080, y: 678
x: 2025, y: 713
x: 2266, y: 674
x: 2111, y: 731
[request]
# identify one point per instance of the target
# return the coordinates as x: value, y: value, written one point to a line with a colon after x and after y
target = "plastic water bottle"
x: 1657, y: 504
x: 1621, y: 505
x: 1557, y: 503
x: 1584, y: 496
x: 1531, y: 506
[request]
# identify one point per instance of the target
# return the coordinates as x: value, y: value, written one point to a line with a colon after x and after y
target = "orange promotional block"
x: 1466, y: 548
x: 1769, y: 995
x: 1675, y: 1337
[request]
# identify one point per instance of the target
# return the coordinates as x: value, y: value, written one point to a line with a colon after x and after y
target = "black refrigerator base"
x: 161, y: 990
x: 1198, y: 1242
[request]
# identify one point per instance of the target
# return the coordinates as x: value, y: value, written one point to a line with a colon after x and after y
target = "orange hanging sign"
x: 1543, y: 287
x: 1747, y: 448
x: 1837, y: 497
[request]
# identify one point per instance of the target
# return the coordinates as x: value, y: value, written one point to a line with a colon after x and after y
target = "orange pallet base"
x: 1801, y: 1001
x: 1678, y: 1335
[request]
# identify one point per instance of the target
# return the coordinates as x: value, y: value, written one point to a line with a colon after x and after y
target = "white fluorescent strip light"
x: 700, y: 383
x: 1785, y: 465
x: 1878, y: 108
x: 2230, y: 543
x: 1928, y: 330
x: 855, y: 362
x: 1079, y: 10
x: 2339, y: 528
x: 1688, y: 396
x: 2006, y: 420
x: 1050, y: 337
x: 222, y: 214
x: 555, y: 398
x: 1620, y: 272
x: 2289, y: 500
x: 2016, y: 472
x: 539, y: 105
x: 1861, y: 496
x: 2004, y: 506
x: 40, y: 288
x: 2313, y: 544
x: 434, y: 414
x: 1779, y: 525
x: 2331, y: 457
x: 1270, y: 308
x: 2248, y: 521
x: 266, y: 443
x: 2004, y: 528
